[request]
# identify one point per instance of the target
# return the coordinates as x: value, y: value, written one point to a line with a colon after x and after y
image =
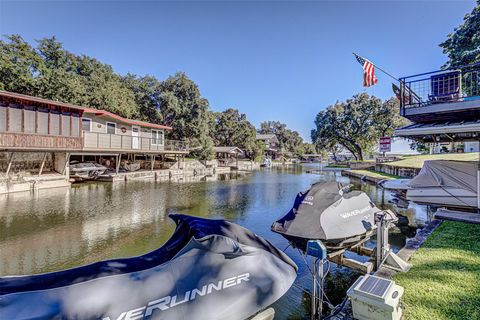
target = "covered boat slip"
x: 210, y: 268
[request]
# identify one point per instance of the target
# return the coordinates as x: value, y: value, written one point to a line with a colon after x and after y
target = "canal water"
x: 62, y: 228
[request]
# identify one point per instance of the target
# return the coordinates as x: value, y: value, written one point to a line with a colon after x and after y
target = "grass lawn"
x: 416, y: 161
x: 444, y: 282
x: 375, y: 174
x: 337, y: 166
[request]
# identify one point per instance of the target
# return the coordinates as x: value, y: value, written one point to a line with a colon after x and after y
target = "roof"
x: 97, y: 112
x: 442, y: 130
x: 100, y: 113
x: 267, y: 136
x: 227, y: 150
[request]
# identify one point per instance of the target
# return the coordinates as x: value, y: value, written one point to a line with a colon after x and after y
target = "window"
x: 86, y: 124
x: 157, y: 137
x: 154, y: 136
x: 111, y: 128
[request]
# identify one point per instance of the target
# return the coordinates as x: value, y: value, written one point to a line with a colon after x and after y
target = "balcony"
x: 96, y: 141
x: 441, y: 95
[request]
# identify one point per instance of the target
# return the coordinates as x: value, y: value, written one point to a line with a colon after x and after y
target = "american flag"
x: 369, y: 78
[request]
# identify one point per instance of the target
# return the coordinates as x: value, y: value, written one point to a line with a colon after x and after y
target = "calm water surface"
x: 62, y: 228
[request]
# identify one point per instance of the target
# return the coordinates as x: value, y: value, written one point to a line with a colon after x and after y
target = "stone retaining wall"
x: 403, y: 172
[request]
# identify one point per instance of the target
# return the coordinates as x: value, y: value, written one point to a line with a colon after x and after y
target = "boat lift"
x: 384, y: 257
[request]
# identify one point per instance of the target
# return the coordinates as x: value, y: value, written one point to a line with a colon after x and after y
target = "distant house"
x: 271, y: 145
x: 228, y: 156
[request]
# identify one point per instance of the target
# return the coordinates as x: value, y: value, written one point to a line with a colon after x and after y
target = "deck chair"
x: 445, y: 87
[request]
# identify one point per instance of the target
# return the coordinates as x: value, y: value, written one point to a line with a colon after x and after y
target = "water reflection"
x: 61, y: 228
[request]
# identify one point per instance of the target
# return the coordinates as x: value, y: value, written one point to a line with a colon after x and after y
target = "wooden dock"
x: 460, y: 216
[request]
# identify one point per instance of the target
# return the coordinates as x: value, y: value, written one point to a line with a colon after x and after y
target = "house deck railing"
x: 91, y: 141
x: 443, y: 86
x: 31, y: 141
x: 106, y: 141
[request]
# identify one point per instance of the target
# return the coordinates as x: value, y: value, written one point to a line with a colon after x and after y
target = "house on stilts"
x: 39, y: 138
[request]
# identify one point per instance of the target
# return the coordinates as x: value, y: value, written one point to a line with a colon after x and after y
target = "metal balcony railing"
x: 444, y: 86
x: 118, y: 142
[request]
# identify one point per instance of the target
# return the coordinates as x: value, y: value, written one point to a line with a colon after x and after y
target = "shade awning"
x: 461, y: 130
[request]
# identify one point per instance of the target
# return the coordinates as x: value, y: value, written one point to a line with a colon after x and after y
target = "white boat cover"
x: 447, y: 174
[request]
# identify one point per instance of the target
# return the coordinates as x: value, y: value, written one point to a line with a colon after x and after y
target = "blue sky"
x: 273, y: 60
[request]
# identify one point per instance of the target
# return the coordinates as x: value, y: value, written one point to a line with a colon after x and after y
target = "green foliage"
x: 204, y: 148
x: 49, y: 71
x: 419, y: 146
x: 463, y: 45
x: 183, y: 108
x: 233, y: 129
x: 289, y: 140
x: 356, y: 124
x: 147, y: 92
x: 309, y: 148
x: 19, y: 65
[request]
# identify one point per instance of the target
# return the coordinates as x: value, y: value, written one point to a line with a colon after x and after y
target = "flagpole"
x: 388, y: 74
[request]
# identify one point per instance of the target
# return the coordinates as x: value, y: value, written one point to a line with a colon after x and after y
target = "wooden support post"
x: 80, y: 124
x: 60, y: 129
x: 23, y: 119
x: 36, y: 119
x: 10, y: 159
x: 43, y: 164
x: 152, y: 159
x: 362, y: 267
x: 7, y: 117
x: 117, y: 164
x: 67, y: 161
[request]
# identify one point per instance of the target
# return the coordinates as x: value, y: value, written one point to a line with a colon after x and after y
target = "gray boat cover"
x: 208, y: 269
x: 447, y: 174
x: 325, y: 212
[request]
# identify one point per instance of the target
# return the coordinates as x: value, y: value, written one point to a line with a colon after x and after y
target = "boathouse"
x: 39, y: 137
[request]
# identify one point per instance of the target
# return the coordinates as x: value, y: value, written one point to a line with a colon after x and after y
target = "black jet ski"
x: 208, y: 269
x: 330, y: 213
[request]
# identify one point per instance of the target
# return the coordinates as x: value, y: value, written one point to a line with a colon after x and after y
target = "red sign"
x: 385, y: 144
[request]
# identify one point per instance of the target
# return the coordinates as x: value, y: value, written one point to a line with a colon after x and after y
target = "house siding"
x: 42, y: 122
x: 3, y: 118
x: 30, y: 125
x: 29, y: 121
x: 15, y: 116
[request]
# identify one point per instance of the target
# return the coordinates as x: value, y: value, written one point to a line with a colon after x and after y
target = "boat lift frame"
x: 384, y: 256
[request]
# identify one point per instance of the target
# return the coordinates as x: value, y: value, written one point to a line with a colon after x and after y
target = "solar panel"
x: 375, y: 286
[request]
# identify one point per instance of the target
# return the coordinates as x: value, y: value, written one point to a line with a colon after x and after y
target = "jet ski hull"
x: 213, y: 270
x: 325, y: 212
